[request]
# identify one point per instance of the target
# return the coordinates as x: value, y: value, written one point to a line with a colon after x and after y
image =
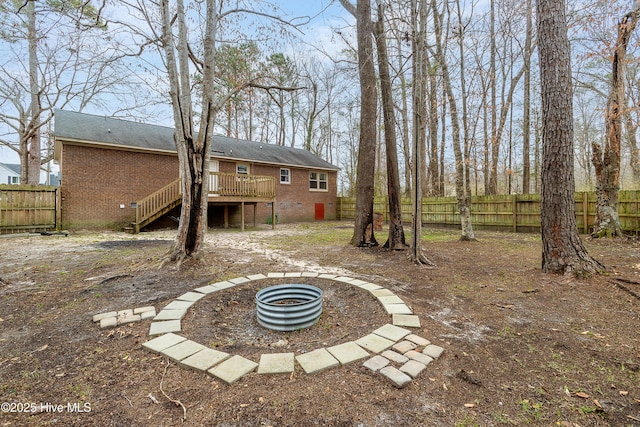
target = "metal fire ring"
x: 289, y: 307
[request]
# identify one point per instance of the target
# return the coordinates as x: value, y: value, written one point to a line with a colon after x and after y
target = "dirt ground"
x: 521, y: 347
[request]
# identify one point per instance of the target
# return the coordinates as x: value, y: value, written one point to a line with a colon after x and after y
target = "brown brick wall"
x: 96, y: 181
x: 295, y: 202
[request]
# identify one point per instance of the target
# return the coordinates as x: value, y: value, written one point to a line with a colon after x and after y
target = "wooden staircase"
x: 223, y: 188
x: 156, y: 205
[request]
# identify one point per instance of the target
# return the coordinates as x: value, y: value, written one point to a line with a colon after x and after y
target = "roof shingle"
x: 87, y: 128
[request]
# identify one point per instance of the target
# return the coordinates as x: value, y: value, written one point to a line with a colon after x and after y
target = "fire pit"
x: 289, y: 307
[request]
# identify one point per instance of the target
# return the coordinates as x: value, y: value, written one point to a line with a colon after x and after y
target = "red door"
x: 319, y: 211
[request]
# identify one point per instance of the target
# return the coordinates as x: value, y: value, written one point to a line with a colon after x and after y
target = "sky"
x: 325, y: 15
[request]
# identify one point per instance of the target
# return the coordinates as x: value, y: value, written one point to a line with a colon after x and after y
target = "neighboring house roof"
x: 12, y: 167
x: 117, y: 133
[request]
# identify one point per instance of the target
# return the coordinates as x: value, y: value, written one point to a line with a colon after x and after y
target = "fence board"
x: 516, y: 212
x: 27, y: 208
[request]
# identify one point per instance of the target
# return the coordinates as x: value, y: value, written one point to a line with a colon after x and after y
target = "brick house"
x: 116, y: 172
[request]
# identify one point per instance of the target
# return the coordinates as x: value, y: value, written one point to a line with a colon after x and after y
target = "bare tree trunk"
x: 536, y: 155
x: 418, y: 95
x: 433, y: 171
x: 463, y: 196
x: 526, y: 117
x: 562, y: 248
x: 312, y: 117
x: 634, y: 159
x: 33, y: 154
x: 363, y: 227
x: 607, y: 163
x: 495, y: 142
x: 396, y: 239
x: 443, y: 143
x: 193, y: 153
x: 406, y: 140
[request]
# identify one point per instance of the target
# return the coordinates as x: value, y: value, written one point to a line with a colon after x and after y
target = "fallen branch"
x: 624, y: 288
x: 128, y: 400
x: 175, y: 402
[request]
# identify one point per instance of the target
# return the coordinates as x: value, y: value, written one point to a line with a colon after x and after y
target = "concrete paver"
x: 412, y: 368
x: 347, y: 352
x: 433, y: 351
x: 190, y: 296
x: 376, y: 363
x: 164, y: 327
x: 222, y: 285
x: 370, y: 287
x: 257, y: 276
x: 392, y: 332
x: 382, y: 292
x: 99, y: 317
x: 128, y: 319
x: 316, y: 361
x: 394, y: 356
x: 374, y: 343
x: 179, y: 304
x: 148, y: 314
x: 162, y: 342
x: 277, y: 363
x: 420, y: 341
x: 390, y: 299
x: 108, y: 322
x: 408, y: 320
x: 204, y: 359
x: 182, y: 350
x: 232, y: 369
x: 403, y: 346
x: 293, y: 274
x: 275, y: 275
x: 239, y: 280
x: 169, y: 314
x: 207, y: 289
x: 398, y: 378
x: 146, y: 309
x: 420, y: 357
x: 397, y: 309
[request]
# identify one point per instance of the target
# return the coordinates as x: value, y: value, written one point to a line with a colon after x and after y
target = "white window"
x: 318, y: 181
x: 242, y: 168
x: 285, y: 176
x: 14, y: 180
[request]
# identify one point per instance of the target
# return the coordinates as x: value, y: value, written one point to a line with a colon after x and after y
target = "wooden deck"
x: 224, y: 188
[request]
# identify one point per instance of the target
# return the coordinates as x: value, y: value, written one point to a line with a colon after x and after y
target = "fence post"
x: 514, y: 207
x: 58, y: 214
x: 585, y: 212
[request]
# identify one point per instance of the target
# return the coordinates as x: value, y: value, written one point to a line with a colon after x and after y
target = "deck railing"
x: 242, y: 186
x: 156, y: 202
x: 220, y: 185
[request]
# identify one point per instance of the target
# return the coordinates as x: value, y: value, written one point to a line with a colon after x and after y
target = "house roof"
x: 83, y: 128
x: 12, y: 167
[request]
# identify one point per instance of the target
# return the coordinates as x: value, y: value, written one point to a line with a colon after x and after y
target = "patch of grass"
x: 467, y: 421
x: 532, y: 411
x: 79, y: 391
x: 506, y: 332
x: 501, y: 418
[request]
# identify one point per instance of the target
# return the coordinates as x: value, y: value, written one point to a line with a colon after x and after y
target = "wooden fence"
x: 28, y: 208
x: 516, y: 212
